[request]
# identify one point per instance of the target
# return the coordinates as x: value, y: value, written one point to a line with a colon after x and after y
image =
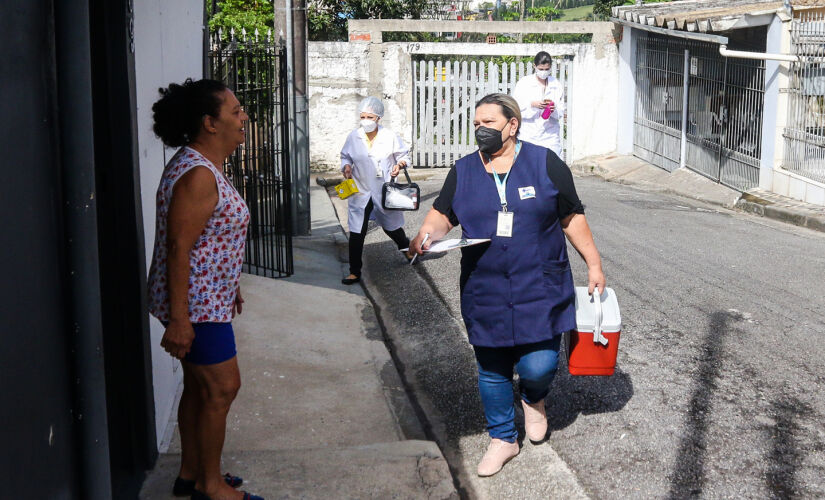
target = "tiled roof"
x: 705, y: 15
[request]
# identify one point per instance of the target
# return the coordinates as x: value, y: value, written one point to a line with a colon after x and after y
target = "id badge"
x: 504, y: 228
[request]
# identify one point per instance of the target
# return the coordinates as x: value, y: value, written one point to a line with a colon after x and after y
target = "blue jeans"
x: 536, y: 366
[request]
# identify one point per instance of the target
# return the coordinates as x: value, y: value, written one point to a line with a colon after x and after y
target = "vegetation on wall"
x: 602, y: 8
x: 327, y: 19
x: 240, y: 15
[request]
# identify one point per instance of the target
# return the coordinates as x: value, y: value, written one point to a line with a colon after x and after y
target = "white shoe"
x: 535, y: 421
x: 498, y: 453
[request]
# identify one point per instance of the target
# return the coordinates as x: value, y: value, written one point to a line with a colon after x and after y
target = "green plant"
x: 543, y: 13
x: 240, y: 15
x: 327, y: 19
x: 602, y: 8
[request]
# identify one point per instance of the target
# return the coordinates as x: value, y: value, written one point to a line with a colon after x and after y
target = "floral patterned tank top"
x: 215, y: 260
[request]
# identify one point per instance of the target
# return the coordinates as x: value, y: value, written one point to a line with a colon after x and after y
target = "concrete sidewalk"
x: 626, y: 169
x: 322, y: 412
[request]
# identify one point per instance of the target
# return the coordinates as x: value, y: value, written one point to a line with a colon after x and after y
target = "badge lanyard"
x: 504, y: 228
x: 501, y: 185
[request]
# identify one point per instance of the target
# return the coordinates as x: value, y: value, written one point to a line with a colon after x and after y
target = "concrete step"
x: 401, y: 469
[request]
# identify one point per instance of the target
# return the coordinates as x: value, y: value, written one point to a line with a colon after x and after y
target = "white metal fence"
x: 805, y: 131
x: 444, y: 103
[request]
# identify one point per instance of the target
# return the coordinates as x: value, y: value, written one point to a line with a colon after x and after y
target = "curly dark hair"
x: 178, y: 114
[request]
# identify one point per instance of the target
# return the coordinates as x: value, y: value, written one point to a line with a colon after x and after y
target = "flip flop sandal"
x: 185, y: 487
x: 197, y: 495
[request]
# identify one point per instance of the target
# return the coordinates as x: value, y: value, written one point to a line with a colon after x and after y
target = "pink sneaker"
x: 535, y: 421
x: 498, y: 453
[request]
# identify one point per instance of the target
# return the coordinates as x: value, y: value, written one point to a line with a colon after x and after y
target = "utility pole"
x: 302, y: 224
x: 296, y: 44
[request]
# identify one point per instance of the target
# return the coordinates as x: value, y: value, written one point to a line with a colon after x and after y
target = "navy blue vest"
x: 516, y: 290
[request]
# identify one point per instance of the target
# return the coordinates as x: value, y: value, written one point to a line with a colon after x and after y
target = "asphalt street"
x: 719, y: 390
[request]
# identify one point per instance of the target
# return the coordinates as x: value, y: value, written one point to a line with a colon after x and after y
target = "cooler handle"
x: 598, y: 338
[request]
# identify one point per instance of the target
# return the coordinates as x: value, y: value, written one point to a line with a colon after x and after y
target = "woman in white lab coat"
x: 534, y: 93
x: 372, y: 155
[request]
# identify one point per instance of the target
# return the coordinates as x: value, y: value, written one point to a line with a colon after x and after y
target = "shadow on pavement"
x: 571, y: 396
x: 785, y: 457
x: 688, y: 479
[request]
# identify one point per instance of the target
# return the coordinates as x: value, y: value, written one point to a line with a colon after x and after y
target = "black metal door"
x: 38, y: 437
x: 255, y: 69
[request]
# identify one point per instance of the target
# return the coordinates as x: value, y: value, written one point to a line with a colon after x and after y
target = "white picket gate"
x: 444, y: 103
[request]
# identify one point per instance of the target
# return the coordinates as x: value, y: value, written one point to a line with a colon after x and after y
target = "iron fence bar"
x: 256, y: 71
x: 723, y: 118
x: 685, y: 85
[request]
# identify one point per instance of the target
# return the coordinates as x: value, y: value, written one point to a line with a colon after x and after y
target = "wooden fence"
x: 444, y: 103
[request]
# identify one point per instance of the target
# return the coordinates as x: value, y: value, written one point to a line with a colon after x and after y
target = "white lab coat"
x: 534, y: 128
x: 371, y: 169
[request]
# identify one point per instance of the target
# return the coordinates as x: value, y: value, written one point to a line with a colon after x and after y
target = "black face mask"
x: 489, y: 140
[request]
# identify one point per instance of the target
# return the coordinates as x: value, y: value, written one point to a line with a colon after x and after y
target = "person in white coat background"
x: 534, y: 93
x: 372, y: 155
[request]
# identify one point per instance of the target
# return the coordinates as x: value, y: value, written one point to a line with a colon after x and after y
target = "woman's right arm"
x: 193, y: 200
x: 436, y: 225
x: 346, y: 160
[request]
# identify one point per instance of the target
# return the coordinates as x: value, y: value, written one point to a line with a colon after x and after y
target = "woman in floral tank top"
x: 194, y: 278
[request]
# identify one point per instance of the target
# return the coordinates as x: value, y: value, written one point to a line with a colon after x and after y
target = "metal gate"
x: 699, y: 109
x: 444, y: 98
x: 256, y: 71
x: 805, y: 130
x: 657, y: 135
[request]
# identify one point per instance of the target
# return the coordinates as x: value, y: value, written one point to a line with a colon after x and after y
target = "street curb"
x: 747, y: 202
x: 433, y: 421
x: 429, y: 419
x: 758, y: 206
x: 591, y: 168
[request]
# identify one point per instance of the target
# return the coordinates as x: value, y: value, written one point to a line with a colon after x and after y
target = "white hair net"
x: 371, y: 105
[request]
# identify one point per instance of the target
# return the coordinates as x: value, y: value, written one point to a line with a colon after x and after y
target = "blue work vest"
x: 516, y: 290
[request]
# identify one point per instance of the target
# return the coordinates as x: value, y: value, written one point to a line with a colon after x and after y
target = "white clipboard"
x: 451, y: 244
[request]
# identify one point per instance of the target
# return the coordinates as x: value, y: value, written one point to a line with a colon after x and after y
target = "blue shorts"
x: 214, y: 343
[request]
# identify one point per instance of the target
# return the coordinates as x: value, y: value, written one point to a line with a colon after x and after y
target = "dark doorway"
x: 129, y: 396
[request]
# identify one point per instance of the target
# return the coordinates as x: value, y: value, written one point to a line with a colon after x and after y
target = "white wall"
x: 594, y: 101
x: 338, y: 80
x: 342, y: 73
x: 770, y: 123
x: 168, y: 48
x: 627, y: 91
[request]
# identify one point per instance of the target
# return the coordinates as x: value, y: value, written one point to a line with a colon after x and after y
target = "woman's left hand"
x: 595, y: 279
x: 237, y: 307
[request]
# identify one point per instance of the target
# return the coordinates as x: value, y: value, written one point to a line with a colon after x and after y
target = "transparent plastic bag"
x: 397, y: 196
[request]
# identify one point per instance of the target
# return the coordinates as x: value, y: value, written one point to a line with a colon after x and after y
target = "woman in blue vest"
x: 517, y: 295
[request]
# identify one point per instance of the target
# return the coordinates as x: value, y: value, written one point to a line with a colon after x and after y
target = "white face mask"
x: 543, y: 73
x: 368, y: 125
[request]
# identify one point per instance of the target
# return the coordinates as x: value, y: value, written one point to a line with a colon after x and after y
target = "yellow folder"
x: 346, y: 189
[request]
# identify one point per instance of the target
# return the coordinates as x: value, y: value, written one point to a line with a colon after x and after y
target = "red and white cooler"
x: 595, y: 341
